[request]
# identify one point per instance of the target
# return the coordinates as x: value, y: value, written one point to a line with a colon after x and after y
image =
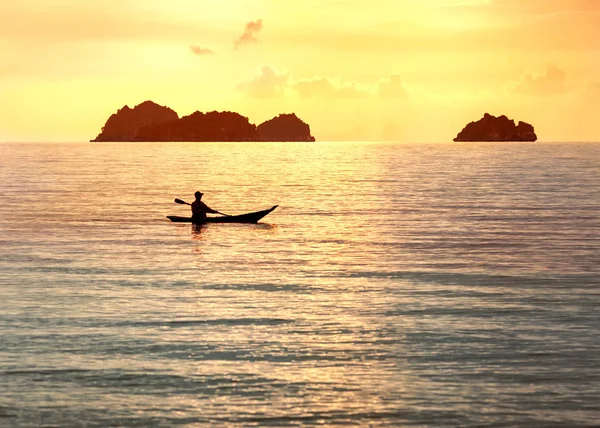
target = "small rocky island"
x: 152, y: 122
x: 491, y: 128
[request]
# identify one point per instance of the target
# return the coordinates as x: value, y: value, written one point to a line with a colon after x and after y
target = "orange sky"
x: 399, y: 70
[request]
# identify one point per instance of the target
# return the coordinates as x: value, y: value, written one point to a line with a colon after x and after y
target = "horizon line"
x: 302, y: 142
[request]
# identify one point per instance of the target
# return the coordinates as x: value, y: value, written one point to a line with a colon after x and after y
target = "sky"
x: 377, y: 70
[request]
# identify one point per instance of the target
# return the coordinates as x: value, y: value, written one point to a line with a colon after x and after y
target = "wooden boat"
x: 241, y: 218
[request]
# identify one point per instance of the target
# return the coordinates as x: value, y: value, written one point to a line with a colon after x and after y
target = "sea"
x: 396, y: 285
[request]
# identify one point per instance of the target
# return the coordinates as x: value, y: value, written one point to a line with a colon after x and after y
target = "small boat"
x: 242, y: 218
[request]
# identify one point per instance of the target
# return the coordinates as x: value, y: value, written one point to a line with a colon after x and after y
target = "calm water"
x: 396, y: 285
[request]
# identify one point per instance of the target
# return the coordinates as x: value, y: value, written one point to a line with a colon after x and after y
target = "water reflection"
x: 197, y: 231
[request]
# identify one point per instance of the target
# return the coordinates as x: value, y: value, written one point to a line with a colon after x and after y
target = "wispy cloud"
x: 329, y: 87
x: 392, y: 87
x: 250, y: 33
x: 110, y: 20
x: 197, y: 50
x: 271, y: 82
x: 551, y: 82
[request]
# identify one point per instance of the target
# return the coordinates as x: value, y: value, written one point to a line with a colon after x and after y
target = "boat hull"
x: 242, y: 218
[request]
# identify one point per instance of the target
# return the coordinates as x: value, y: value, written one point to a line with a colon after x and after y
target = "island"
x: 491, y: 128
x: 151, y: 122
x: 285, y: 127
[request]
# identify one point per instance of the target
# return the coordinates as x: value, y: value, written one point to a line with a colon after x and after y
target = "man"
x: 200, y: 209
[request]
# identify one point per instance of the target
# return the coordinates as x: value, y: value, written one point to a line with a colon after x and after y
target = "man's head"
x: 198, y: 195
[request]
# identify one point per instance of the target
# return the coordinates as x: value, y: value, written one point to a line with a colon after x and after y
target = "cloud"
x: 268, y: 84
x: 552, y: 82
x: 249, y: 36
x: 392, y: 87
x: 329, y: 87
x: 70, y: 21
x: 197, y: 50
x: 272, y: 82
x: 455, y: 26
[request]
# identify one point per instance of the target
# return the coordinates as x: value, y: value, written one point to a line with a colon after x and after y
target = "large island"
x: 152, y: 122
x: 492, y: 128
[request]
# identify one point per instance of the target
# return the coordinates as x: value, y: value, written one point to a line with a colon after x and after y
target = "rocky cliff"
x: 285, y: 127
x: 151, y: 122
x: 125, y: 124
x: 213, y: 126
x: 491, y: 128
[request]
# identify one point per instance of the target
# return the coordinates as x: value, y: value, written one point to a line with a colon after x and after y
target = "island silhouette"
x: 492, y: 128
x: 151, y: 122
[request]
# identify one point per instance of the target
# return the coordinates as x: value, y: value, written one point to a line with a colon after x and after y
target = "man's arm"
x: 209, y: 210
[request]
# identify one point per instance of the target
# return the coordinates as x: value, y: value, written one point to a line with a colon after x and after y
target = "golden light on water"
x: 396, y: 284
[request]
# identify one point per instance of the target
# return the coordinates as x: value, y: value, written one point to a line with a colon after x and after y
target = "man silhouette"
x: 200, y: 209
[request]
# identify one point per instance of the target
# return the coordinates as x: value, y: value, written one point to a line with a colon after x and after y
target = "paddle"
x: 179, y: 201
